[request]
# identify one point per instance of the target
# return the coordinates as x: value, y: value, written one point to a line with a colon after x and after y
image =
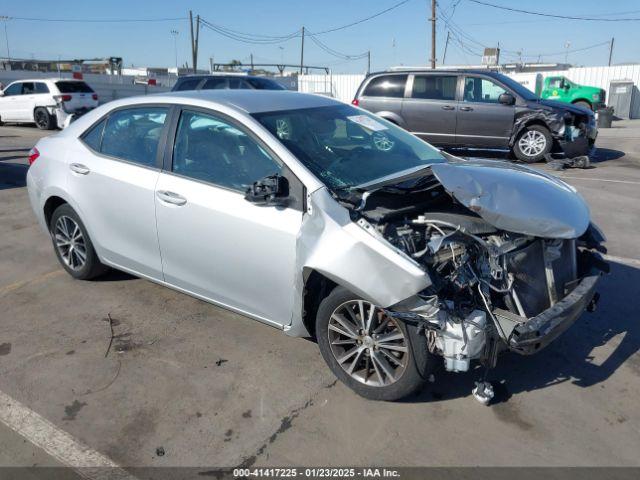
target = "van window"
x: 133, y: 134
x: 434, y: 87
x: 386, y: 86
x: 478, y: 89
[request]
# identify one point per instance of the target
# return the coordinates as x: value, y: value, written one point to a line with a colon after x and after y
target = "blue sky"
x: 151, y: 44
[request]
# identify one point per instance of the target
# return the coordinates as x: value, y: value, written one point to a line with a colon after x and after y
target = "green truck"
x: 562, y: 89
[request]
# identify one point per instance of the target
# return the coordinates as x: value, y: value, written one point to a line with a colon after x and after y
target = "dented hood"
x: 516, y: 198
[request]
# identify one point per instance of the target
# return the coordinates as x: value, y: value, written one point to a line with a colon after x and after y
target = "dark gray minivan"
x: 479, y: 109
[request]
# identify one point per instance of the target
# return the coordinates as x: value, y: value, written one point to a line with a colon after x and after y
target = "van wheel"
x: 44, y: 120
x: 377, y: 356
x: 73, y: 246
x: 583, y: 104
x: 533, y: 143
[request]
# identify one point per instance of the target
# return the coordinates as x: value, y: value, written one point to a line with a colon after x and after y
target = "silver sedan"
x: 322, y: 220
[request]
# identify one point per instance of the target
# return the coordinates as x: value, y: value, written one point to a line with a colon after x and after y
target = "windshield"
x: 345, y: 147
x: 521, y: 90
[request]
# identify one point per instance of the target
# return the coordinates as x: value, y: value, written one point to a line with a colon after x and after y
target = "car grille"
x: 544, y: 272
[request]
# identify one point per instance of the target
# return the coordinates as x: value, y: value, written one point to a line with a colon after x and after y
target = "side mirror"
x: 506, y: 99
x: 271, y: 190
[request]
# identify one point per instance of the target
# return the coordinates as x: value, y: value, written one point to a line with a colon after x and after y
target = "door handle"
x: 171, y: 197
x: 79, y: 168
x: 466, y: 109
x: 447, y: 107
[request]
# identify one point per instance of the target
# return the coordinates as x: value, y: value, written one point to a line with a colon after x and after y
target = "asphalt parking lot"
x: 185, y: 383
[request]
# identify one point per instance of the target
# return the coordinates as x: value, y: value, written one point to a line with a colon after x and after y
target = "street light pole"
x: 6, y: 35
x: 175, y: 33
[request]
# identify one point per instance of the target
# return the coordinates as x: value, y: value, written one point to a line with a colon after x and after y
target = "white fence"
x: 344, y: 86
x: 108, y: 87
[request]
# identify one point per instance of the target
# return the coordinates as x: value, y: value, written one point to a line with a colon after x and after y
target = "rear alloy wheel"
x: 44, y: 120
x: 72, y: 245
x: 377, y: 356
x: 533, y: 143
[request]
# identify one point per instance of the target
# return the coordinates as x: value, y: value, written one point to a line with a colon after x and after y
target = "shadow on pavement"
x: 12, y: 175
x: 570, y: 358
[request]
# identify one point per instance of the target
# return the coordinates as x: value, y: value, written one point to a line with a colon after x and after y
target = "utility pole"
x: 251, y: 55
x: 368, y: 62
x: 446, y: 44
x: 611, y: 50
x: 302, y: 52
x: 194, y: 40
x: 433, y: 34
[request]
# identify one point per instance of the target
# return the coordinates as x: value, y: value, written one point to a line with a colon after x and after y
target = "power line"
x: 362, y: 20
x: 566, y: 17
x: 95, y: 20
x: 333, y: 52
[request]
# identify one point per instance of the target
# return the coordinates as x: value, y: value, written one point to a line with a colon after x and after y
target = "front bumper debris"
x: 536, y: 333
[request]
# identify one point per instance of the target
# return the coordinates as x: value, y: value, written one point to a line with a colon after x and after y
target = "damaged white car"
x: 321, y: 219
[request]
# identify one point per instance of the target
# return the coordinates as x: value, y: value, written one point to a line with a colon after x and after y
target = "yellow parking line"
x: 16, y: 285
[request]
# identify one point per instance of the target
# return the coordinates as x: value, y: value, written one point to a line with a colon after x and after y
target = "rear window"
x: 434, y: 87
x: 73, y: 87
x: 264, y: 84
x: 189, y: 84
x: 215, y: 84
x: 386, y: 86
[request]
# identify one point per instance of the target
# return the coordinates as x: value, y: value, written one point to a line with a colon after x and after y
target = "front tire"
x: 378, y: 357
x: 43, y: 119
x: 583, y: 104
x: 73, y: 246
x: 532, y: 144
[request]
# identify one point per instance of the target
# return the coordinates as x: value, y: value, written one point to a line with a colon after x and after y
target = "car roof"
x: 220, y: 75
x: 436, y: 71
x: 248, y: 101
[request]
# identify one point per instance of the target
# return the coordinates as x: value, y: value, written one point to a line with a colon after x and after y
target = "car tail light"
x: 33, y: 155
x: 94, y: 96
x: 62, y: 98
x: 355, y: 102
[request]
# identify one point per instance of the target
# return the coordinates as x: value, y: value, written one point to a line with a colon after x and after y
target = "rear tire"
x: 44, y: 120
x: 583, y: 104
x: 532, y: 144
x: 361, y: 358
x: 73, y: 246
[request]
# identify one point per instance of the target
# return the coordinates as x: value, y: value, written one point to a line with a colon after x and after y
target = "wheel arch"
x: 582, y: 100
x: 392, y: 117
x: 50, y: 206
x: 316, y: 288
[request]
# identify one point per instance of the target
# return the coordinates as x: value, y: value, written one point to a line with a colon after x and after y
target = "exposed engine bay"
x: 491, y: 289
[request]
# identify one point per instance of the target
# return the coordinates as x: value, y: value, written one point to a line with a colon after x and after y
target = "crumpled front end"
x: 511, y: 256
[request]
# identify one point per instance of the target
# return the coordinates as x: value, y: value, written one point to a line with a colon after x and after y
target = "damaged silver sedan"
x: 322, y: 220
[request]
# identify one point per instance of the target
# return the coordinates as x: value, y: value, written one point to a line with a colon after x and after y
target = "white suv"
x: 46, y: 102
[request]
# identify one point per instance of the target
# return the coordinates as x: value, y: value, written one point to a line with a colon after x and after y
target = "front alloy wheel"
x: 369, y: 345
x: 533, y: 144
x: 374, y: 354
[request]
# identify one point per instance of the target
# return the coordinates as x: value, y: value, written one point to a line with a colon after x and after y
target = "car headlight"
x: 595, y: 96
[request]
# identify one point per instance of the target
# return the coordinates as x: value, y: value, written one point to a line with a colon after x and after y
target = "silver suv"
x: 322, y: 220
x: 478, y: 109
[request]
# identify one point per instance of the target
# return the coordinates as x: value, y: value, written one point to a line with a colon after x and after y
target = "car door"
x: 29, y: 100
x: 112, y: 178
x: 430, y: 109
x: 10, y: 102
x: 482, y: 121
x: 214, y: 243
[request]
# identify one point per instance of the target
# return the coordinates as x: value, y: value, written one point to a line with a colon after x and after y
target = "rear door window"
x: 434, y: 87
x: 189, y: 84
x: 386, y: 86
x: 215, y: 84
x: 41, y: 87
x: 133, y: 134
x: 73, y: 87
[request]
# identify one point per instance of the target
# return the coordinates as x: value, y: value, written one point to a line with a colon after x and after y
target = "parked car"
x: 46, y: 102
x: 223, y: 82
x: 562, y: 89
x: 478, y: 109
x: 323, y: 220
